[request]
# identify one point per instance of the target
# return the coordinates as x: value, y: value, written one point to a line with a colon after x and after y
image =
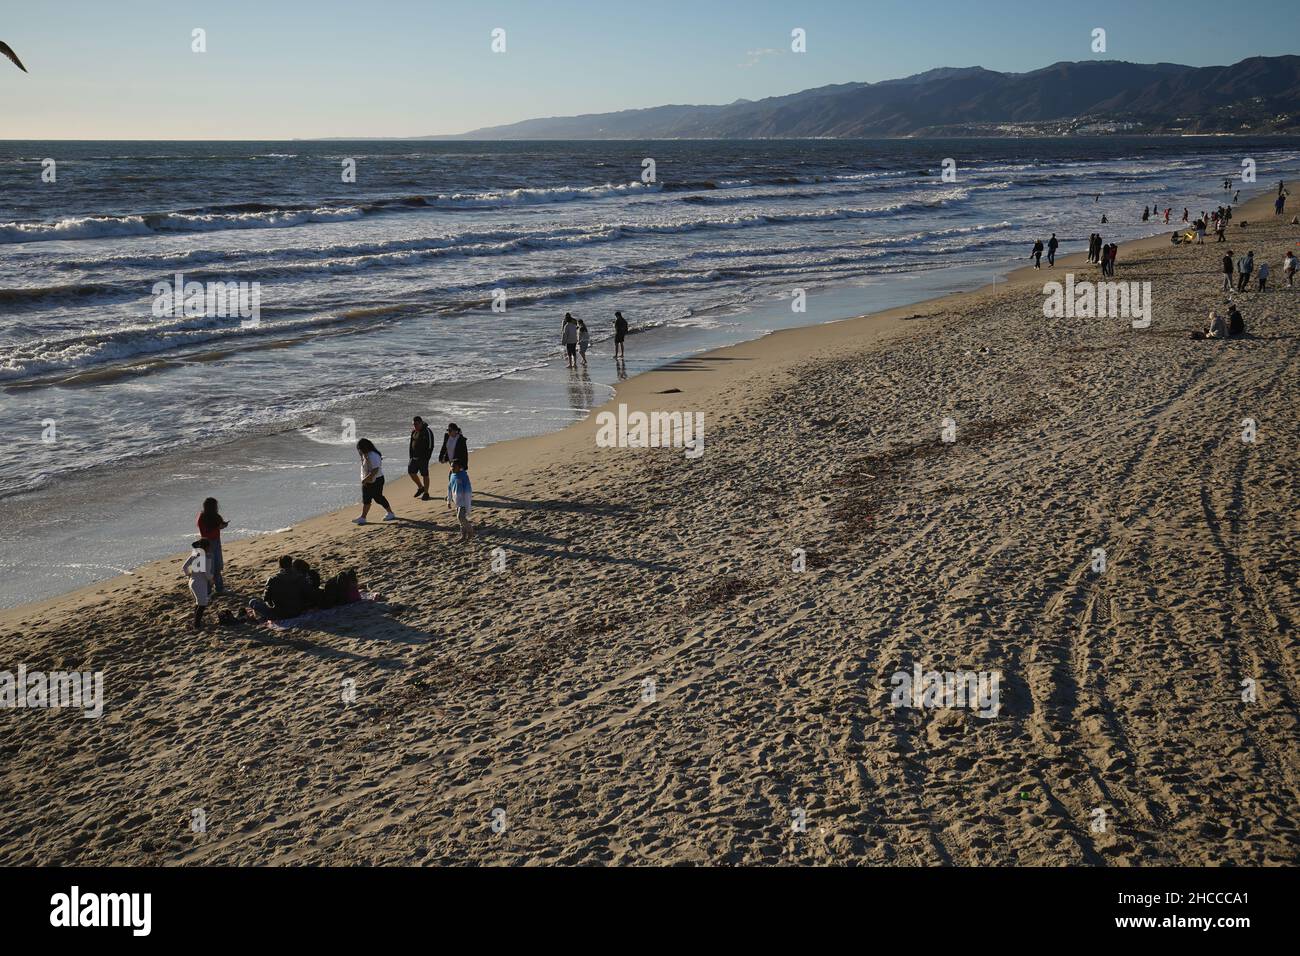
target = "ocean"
x: 376, y: 297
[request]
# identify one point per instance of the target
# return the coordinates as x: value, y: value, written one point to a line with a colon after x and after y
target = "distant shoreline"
x: 464, y: 138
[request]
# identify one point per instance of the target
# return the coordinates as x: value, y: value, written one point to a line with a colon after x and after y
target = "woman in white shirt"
x: 569, y: 338
x: 372, y: 481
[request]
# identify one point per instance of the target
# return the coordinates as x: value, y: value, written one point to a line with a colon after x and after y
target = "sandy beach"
x: 649, y: 679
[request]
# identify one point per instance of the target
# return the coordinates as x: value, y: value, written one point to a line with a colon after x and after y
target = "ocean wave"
x: 111, y: 227
x: 42, y: 294
x: 271, y: 216
x: 66, y: 355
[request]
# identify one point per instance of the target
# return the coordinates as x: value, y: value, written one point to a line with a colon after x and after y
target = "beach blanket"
x: 303, y: 620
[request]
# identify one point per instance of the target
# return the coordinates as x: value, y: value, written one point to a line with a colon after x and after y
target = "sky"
x: 284, y: 69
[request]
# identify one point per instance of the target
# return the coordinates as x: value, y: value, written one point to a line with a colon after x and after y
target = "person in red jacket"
x: 210, y: 524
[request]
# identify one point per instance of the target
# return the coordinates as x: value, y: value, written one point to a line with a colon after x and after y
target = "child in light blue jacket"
x: 460, y: 495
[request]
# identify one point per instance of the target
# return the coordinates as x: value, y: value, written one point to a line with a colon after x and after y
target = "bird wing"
x: 4, y: 48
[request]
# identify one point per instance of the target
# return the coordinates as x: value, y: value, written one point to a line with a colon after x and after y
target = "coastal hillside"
x: 1257, y: 95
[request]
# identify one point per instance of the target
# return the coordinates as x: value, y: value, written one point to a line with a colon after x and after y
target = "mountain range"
x: 1259, y: 95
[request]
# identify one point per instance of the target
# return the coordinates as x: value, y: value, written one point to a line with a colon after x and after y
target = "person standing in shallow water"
x: 569, y: 339
x: 372, y: 481
x: 620, y: 333
x: 584, y: 341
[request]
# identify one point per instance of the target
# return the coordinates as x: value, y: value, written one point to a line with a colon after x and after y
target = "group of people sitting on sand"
x: 297, y: 588
x: 294, y: 589
x: 1229, y: 326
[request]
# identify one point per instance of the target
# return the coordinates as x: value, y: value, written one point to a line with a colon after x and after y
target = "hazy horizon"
x: 408, y: 70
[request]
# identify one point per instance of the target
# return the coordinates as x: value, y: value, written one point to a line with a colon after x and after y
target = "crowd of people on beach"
x: 296, y: 588
x: 1240, y: 271
x: 1237, y: 273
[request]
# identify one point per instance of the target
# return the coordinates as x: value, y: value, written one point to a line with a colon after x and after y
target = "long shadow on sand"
x: 544, y: 546
x: 520, y: 504
x: 697, y: 363
x: 367, y: 621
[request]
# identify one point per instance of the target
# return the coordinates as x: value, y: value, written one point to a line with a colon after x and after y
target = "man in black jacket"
x: 420, y: 450
x: 286, y: 594
x: 1227, y: 272
x: 1236, y: 324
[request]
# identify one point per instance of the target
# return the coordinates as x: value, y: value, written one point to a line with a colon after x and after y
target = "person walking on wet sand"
x: 1052, y: 245
x: 620, y: 333
x: 1037, y: 254
x: 372, y: 481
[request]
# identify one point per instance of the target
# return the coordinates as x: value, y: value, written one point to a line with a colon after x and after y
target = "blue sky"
x: 277, y: 69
